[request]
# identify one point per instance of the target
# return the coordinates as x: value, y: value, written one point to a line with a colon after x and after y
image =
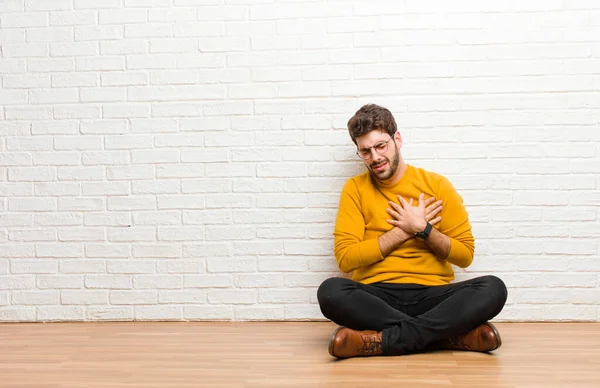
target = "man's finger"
x: 393, y: 222
x: 433, y: 212
x: 435, y: 220
x: 392, y: 213
x: 402, y: 201
x: 422, y: 200
x: 429, y: 200
x: 395, y: 206
x: 433, y: 206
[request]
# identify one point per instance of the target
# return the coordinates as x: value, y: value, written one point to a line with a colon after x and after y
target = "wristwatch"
x: 425, y: 233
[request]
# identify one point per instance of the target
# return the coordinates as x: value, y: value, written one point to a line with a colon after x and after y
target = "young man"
x: 400, y: 299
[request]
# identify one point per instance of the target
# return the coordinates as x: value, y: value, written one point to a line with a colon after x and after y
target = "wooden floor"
x: 194, y: 354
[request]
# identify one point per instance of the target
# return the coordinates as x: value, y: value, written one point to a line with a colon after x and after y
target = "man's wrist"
x: 424, y: 234
x: 420, y: 227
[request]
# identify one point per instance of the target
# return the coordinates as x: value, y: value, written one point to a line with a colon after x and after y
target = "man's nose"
x: 375, y: 156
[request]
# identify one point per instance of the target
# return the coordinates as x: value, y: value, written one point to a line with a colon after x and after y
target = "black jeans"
x: 412, y: 317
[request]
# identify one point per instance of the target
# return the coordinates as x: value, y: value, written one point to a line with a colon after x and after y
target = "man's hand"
x: 412, y: 219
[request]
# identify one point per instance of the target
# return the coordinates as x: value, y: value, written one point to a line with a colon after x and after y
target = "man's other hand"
x: 413, y: 219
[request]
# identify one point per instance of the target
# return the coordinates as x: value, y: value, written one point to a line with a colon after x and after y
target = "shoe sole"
x: 332, y: 342
x: 497, y: 333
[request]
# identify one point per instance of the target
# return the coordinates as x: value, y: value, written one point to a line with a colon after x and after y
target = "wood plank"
x: 281, y: 354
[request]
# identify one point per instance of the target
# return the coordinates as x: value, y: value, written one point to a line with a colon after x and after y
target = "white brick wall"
x: 182, y: 159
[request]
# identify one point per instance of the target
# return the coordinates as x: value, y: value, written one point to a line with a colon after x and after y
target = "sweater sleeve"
x: 455, y: 224
x: 351, y: 252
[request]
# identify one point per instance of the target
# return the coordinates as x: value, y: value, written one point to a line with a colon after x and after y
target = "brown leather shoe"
x: 483, y: 338
x: 346, y: 343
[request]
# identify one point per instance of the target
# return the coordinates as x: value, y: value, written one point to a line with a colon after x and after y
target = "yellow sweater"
x: 362, y: 216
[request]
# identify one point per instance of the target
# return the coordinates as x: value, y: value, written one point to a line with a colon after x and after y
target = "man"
x: 400, y: 299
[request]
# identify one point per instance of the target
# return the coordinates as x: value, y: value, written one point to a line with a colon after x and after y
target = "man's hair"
x: 369, y: 118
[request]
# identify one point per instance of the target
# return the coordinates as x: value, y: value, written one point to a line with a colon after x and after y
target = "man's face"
x: 380, y: 153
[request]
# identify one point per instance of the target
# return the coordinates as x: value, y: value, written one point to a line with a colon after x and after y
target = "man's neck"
x: 402, y: 167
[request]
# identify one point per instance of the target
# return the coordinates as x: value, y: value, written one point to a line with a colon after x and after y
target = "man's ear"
x: 398, y: 138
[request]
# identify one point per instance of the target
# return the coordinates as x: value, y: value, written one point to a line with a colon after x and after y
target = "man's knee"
x: 329, y: 290
x: 496, y: 289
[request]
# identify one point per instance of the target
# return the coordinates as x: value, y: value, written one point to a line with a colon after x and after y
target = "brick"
x: 248, y: 185
x: 182, y: 296
x: 209, y: 313
x: 157, y: 218
x: 171, y: 45
x: 59, y: 281
x: 80, y: 173
x: 181, y: 202
x: 171, y: 251
x: 157, y: 186
x: 49, y: 34
x: 32, y: 204
x: 83, y: 297
x: 28, y: 113
x: 57, y: 189
x: 231, y: 296
x: 207, y: 281
x: 153, y: 125
x: 98, y: 33
x: 124, y: 16
x: 160, y: 313
x: 32, y: 235
x: 157, y: 281
x: 133, y: 297
x: 127, y: 141
x: 50, y: 65
x: 174, y: 77
x: 29, y: 143
x: 284, y: 296
x: 49, y: 5
x: 108, y: 281
x: 221, y: 233
x: 180, y: 233
x: 56, y: 219
x: 107, y: 219
x: 181, y: 267
x: 130, y: 172
x: 148, y: 30
x: 92, y: 4
x: 81, y: 234
x: 9, y: 66
x: 35, y: 297
x: 132, y: 234
x: 239, y: 264
x: 62, y: 313
x: 151, y: 61
x: 125, y: 110
x: 78, y: 266
x: 103, y: 94
x: 80, y: 111
x: 206, y: 250
x: 17, y: 314
x: 259, y: 313
x: 109, y: 314
x: 24, y: 19
x: 131, y: 202
x: 173, y: 15
x: 104, y: 63
x: 131, y: 266
x: 71, y: 18
x: 122, y: 47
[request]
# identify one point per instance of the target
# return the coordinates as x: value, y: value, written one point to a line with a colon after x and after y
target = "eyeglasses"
x: 381, y: 147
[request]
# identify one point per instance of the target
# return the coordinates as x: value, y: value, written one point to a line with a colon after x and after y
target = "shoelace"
x: 370, y: 344
x: 457, y: 343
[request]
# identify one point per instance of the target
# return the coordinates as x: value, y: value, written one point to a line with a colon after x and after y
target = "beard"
x: 389, y: 171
